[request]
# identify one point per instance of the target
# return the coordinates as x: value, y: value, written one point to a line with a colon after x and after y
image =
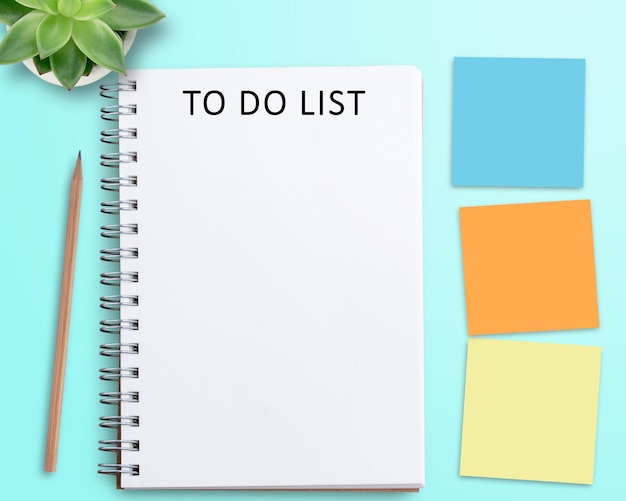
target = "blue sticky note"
x: 518, y: 122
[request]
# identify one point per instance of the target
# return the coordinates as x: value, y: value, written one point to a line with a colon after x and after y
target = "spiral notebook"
x: 270, y: 279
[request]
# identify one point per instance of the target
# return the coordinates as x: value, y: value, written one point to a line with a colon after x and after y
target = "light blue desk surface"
x: 42, y: 128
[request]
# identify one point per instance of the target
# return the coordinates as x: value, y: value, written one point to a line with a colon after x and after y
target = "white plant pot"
x: 96, y: 74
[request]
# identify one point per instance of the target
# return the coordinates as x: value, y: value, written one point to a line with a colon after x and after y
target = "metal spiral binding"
x: 116, y: 254
x: 115, y: 183
x: 116, y: 373
x: 115, y: 278
x: 112, y: 113
x: 116, y: 206
x: 118, y: 469
x: 113, y: 160
x: 111, y: 91
x: 115, y: 230
x: 119, y: 421
x: 113, y: 136
x: 116, y: 397
x: 118, y: 301
x: 119, y: 445
x: 115, y: 325
x: 116, y: 349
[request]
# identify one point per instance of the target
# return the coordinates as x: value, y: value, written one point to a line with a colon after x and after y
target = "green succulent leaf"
x: 42, y: 65
x: 20, y: 41
x: 49, y: 6
x: 93, y: 9
x: 99, y: 43
x: 11, y: 11
x: 88, y: 67
x: 52, y: 34
x: 33, y: 4
x: 68, y: 64
x: 132, y: 15
x: 69, y: 8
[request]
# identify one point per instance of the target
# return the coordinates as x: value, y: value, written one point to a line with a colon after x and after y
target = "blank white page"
x: 280, y: 279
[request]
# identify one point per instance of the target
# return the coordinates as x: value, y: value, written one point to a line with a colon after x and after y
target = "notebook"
x: 529, y: 267
x: 530, y: 411
x: 270, y: 279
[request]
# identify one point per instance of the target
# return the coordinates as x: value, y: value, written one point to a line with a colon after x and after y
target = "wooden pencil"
x: 65, y: 306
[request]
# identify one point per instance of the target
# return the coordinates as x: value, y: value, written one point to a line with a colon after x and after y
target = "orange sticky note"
x: 529, y: 267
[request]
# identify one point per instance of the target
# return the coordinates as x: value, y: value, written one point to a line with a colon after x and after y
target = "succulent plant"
x: 69, y: 37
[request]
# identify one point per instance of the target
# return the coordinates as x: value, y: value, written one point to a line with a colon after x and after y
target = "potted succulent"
x: 72, y: 38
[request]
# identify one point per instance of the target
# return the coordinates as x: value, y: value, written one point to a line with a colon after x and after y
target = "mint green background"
x: 42, y: 128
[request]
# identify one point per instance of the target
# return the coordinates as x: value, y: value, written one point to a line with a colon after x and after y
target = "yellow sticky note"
x: 529, y: 267
x: 530, y: 411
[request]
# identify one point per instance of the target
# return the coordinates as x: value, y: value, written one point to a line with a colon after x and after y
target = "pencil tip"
x: 78, y: 168
x: 80, y: 155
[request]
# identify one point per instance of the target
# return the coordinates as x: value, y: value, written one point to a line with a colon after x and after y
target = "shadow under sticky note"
x: 529, y: 267
x: 518, y: 122
x: 530, y: 411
